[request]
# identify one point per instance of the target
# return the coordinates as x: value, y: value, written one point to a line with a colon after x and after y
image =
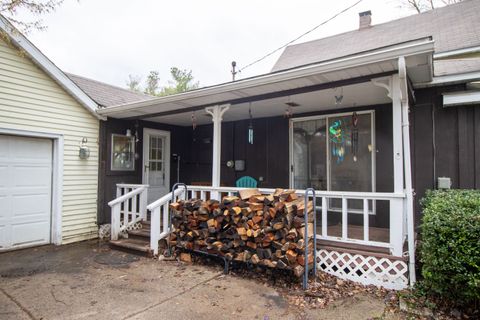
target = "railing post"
x: 366, y: 221
x: 344, y: 218
x: 143, y: 204
x: 115, y: 227
x: 324, y: 217
x: 396, y: 226
x: 155, y: 230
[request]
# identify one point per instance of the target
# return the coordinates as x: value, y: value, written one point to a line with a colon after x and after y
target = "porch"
x: 362, y: 178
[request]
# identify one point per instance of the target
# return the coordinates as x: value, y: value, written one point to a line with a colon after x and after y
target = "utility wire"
x: 300, y: 36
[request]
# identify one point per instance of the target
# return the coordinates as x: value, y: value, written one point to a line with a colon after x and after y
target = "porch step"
x: 140, y: 233
x: 132, y: 244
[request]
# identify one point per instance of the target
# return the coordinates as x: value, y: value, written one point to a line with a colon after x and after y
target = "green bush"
x: 450, y: 247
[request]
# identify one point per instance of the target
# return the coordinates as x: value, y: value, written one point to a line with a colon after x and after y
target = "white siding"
x: 30, y: 100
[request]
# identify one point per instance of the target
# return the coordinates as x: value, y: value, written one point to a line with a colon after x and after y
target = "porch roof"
x: 352, y: 72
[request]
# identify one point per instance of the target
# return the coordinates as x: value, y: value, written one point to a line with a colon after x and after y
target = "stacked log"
x: 266, y: 230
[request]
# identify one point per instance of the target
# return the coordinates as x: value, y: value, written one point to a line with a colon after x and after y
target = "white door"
x: 156, y: 162
x: 25, y: 191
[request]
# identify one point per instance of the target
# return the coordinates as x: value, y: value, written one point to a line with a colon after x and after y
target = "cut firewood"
x: 245, y: 194
x: 260, y: 229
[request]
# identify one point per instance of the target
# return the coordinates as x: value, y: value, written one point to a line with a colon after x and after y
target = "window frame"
x: 112, y: 148
x: 326, y: 117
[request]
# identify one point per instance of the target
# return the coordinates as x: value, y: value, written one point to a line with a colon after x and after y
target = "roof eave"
x: 421, y: 46
x: 19, y: 40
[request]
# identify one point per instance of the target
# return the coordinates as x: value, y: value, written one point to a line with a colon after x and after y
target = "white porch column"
x: 217, y: 116
x: 396, y: 207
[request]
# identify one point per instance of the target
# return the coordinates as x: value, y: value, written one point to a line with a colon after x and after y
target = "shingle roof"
x: 105, y: 94
x: 452, y: 27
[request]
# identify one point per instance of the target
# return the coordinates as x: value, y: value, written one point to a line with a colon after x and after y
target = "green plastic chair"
x: 246, y: 182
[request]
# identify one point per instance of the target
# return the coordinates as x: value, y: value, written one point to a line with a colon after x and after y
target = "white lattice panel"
x: 390, y: 274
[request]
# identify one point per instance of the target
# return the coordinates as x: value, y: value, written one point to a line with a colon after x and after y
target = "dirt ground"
x: 89, y: 281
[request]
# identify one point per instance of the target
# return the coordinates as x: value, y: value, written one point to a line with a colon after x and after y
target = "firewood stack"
x: 260, y: 229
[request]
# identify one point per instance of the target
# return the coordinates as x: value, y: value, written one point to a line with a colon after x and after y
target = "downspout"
x: 402, y: 74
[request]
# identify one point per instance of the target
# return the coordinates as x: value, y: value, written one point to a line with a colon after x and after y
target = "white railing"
x: 128, y: 208
x: 324, y: 205
x: 160, y: 217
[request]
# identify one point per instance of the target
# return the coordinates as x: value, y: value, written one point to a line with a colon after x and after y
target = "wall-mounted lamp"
x: 84, y: 151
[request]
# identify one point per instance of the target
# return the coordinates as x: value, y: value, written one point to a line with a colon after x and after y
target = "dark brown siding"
x: 445, y: 142
x: 108, y: 179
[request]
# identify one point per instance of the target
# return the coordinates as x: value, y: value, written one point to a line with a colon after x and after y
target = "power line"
x: 300, y: 36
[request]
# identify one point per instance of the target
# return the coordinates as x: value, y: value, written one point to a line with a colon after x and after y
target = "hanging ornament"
x: 337, y: 137
x: 354, y: 138
x: 250, y: 125
x: 194, y: 121
x: 339, y: 98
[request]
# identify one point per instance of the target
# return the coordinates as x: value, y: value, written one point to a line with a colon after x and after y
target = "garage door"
x: 25, y: 191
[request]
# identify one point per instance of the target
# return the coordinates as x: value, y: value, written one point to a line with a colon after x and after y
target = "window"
x: 123, y: 153
x: 334, y: 152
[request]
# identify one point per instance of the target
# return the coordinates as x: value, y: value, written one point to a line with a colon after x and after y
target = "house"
x: 369, y: 118
x: 49, y: 133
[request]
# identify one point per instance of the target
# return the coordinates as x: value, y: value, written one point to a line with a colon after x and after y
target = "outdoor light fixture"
x: 84, y: 151
x: 128, y: 133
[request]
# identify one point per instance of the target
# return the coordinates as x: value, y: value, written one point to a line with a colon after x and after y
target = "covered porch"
x: 338, y: 126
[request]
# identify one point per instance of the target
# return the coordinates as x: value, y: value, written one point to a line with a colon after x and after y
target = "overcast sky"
x: 109, y: 39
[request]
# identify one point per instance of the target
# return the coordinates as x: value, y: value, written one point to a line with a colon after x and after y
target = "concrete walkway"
x: 90, y: 281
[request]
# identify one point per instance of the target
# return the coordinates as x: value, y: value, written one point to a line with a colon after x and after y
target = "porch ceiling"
x: 363, y: 94
x: 313, y: 87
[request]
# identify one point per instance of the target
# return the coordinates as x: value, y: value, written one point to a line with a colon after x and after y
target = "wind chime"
x: 194, y: 121
x: 250, y: 125
x: 354, y: 136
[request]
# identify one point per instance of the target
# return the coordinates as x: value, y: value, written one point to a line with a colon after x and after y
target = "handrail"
x: 338, y: 194
x: 126, y: 185
x: 164, y: 199
x: 126, y: 196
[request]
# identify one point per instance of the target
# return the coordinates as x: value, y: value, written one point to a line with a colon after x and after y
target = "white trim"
x: 422, y: 46
x: 455, y: 53
x: 57, y: 177
x: 450, y: 79
x: 166, y: 153
x: 461, y: 98
x: 49, y: 67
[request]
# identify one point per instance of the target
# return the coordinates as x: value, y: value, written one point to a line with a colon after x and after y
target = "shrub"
x: 450, y: 248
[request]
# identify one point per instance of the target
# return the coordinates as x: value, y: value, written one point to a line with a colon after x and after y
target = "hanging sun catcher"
x: 337, y: 137
x: 354, y: 139
x: 250, y: 125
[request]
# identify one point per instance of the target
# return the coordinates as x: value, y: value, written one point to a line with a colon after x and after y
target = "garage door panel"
x: 4, y: 177
x: 31, y: 176
x: 30, y: 204
x: 25, y: 191
x: 31, y: 233
x: 4, y: 236
x: 31, y: 150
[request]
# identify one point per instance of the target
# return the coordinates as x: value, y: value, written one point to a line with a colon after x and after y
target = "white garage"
x: 25, y: 191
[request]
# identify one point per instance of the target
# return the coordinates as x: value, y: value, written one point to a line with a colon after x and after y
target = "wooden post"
x: 115, y: 227
x: 217, y: 116
x: 155, y: 230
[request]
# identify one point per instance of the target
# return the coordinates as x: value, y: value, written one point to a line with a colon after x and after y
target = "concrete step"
x: 140, y: 245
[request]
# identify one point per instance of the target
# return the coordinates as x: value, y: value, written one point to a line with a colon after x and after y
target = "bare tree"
x: 425, y: 5
x: 133, y: 83
x: 11, y: 9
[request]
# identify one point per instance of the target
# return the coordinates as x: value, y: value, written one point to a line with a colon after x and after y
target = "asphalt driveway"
x: 89, y: 281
